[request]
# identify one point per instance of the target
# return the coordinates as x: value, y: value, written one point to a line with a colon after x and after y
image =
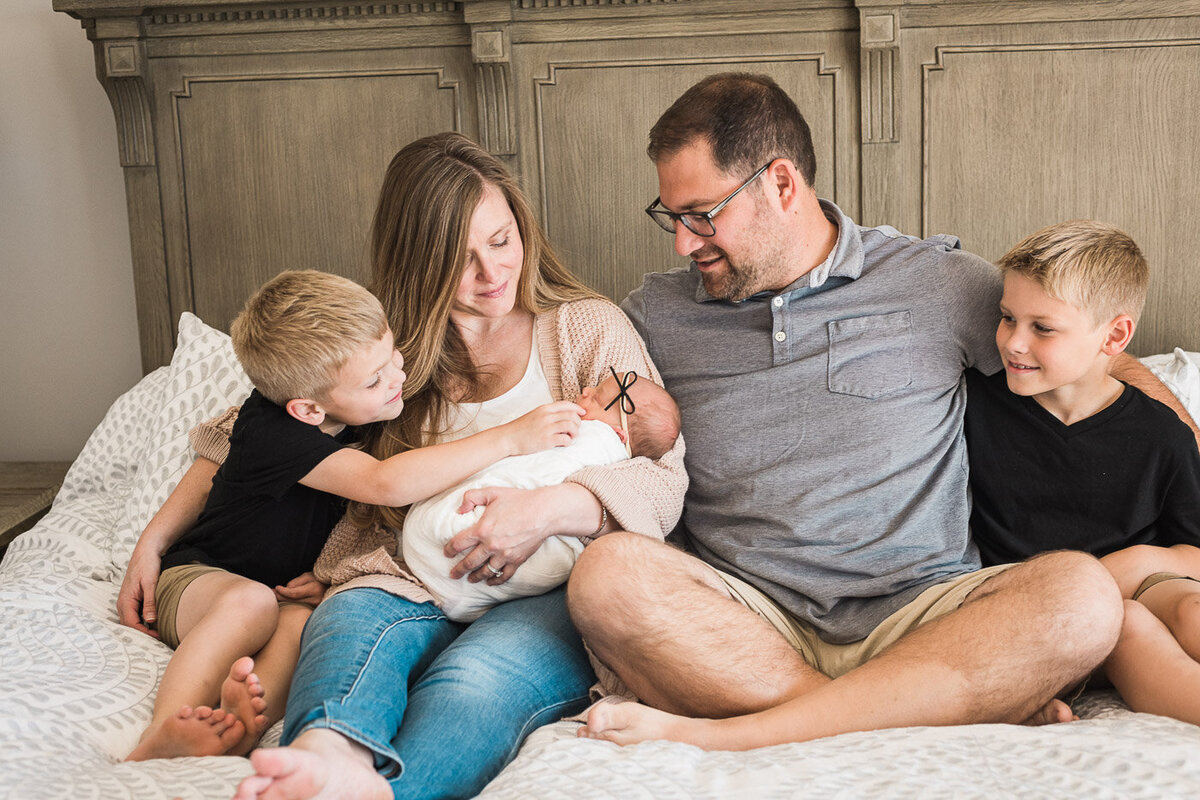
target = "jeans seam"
x: 526, y: 729
x: 371, y: 653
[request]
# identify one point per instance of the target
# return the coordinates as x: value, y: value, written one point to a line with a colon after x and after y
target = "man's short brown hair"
x: 300, y: 328
x: 746, y: 118
x: 1092, y: 265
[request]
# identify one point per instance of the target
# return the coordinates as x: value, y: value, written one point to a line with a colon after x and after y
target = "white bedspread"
x: 77, y: 688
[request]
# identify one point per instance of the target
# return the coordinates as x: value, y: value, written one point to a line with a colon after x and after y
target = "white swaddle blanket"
x: 433, y: 522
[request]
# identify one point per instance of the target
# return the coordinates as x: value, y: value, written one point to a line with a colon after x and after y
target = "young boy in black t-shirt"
x: 1064, y: 456
x: 322, y: 358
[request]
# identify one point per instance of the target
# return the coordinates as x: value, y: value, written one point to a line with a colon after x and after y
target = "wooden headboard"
x: 254, y: 134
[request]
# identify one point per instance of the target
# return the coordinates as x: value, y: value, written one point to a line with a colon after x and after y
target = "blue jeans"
x: 442, y: 706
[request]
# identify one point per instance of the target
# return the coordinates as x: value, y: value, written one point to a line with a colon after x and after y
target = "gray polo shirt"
x: 824, y: 424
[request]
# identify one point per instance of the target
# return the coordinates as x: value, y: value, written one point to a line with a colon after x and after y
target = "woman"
x: 491, y: 325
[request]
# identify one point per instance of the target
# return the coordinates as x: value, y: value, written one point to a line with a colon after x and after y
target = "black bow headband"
x: 623, y: 390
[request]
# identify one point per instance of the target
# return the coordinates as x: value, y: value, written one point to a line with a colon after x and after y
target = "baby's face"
x: 595, y: 398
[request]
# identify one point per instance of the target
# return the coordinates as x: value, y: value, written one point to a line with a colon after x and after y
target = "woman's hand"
x: 514, y: 524
x: 304, y: 589
x: 135, y: 601
x: 551, y: 425
x: 509, y: 532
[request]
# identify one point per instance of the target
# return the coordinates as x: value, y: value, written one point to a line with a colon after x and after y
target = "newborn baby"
x: 639, y: 420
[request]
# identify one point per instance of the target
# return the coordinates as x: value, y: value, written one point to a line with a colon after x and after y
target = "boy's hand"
x: 305, y: 589
x: 135, y: 601
x: 551, y: 425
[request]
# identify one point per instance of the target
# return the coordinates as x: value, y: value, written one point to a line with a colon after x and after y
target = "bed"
x: 79, y: 687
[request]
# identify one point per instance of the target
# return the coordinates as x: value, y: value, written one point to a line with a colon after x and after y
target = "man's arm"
x: 1128, y: 369
x: 634, y: 306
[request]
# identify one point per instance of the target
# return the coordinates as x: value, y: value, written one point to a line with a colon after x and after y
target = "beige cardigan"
x: 577, y: 342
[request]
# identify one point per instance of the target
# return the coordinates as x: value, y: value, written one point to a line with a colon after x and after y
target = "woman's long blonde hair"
x: 419, y: 251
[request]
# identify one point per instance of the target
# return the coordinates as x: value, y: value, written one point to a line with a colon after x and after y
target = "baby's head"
x: 654, y: 423
x: 322, y: 339
x: 1093, y: 266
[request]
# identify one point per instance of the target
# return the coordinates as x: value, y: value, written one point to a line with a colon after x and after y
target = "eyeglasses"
x: 698, y: 222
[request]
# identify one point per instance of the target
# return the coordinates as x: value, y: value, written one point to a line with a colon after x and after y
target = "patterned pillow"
x: 204, y: 379
x: 1180, y: 372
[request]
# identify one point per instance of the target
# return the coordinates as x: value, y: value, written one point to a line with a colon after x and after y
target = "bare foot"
x: 1053, y: 712
x: 625, y: 722
x: 242, y: 697
x: 190, y: 732
x: 320, y: 765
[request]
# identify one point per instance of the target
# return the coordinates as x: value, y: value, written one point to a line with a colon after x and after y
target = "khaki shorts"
x: 171, y: 584
x: 835, y: 660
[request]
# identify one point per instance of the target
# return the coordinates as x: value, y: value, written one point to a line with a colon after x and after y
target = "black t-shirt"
x: 259, y: 521
x: 1127, y: 475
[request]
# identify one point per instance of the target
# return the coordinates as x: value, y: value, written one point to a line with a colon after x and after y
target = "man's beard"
x: 731, y: 283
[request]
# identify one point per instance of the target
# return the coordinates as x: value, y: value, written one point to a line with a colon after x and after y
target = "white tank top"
x: 533, y: 390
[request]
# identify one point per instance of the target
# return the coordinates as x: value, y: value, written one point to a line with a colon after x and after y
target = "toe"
x: 242, y: 669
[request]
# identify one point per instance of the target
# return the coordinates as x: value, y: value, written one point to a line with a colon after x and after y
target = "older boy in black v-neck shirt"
x: 1064, y: 456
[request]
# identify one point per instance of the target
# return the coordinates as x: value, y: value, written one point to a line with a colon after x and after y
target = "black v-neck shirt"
x: 1127, y: 475
x: 260, y: 521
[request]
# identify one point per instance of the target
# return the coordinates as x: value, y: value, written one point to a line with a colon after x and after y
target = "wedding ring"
x: 493, y: 570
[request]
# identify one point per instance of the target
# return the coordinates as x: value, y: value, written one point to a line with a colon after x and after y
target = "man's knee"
x: 607, y: 562
x: 619, y: 581
x: 1077, y: 572
x: 604, y: 569
x: 1082, y: 595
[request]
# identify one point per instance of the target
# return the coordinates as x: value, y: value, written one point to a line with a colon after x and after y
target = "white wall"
x: 68, y: 333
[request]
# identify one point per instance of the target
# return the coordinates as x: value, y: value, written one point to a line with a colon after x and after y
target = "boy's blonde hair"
x: 1092, y: 265
x: 300, y: 328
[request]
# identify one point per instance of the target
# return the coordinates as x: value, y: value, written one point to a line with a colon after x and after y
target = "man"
x: 818, y: 369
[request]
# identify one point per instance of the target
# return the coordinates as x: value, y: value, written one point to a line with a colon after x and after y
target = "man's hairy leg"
x: 1019, y: 639
x: 664, y: 623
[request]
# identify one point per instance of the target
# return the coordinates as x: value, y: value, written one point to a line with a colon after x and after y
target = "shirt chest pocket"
x: 870, y: 356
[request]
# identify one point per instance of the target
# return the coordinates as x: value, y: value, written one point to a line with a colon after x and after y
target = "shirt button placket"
x: 780, y: 336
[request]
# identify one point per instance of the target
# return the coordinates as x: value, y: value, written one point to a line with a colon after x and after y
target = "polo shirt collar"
x: 844, y: 261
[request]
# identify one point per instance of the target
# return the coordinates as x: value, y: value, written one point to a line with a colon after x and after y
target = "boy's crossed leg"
x: 243, y: 693
x: 1150, y: 665
x: 220, y: 618
x: 190, y: 731
x: 242, y: 697
x: 1176, y: 603
x: 1159, y: 647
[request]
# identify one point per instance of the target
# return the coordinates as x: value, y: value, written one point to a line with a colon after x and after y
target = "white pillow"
x: 1180, y: 372
x: 204, y: 379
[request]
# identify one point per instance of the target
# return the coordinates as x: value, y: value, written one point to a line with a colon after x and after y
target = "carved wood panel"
x: 254, y: 134
x: 282, y: 172
x: 1062, y: 131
